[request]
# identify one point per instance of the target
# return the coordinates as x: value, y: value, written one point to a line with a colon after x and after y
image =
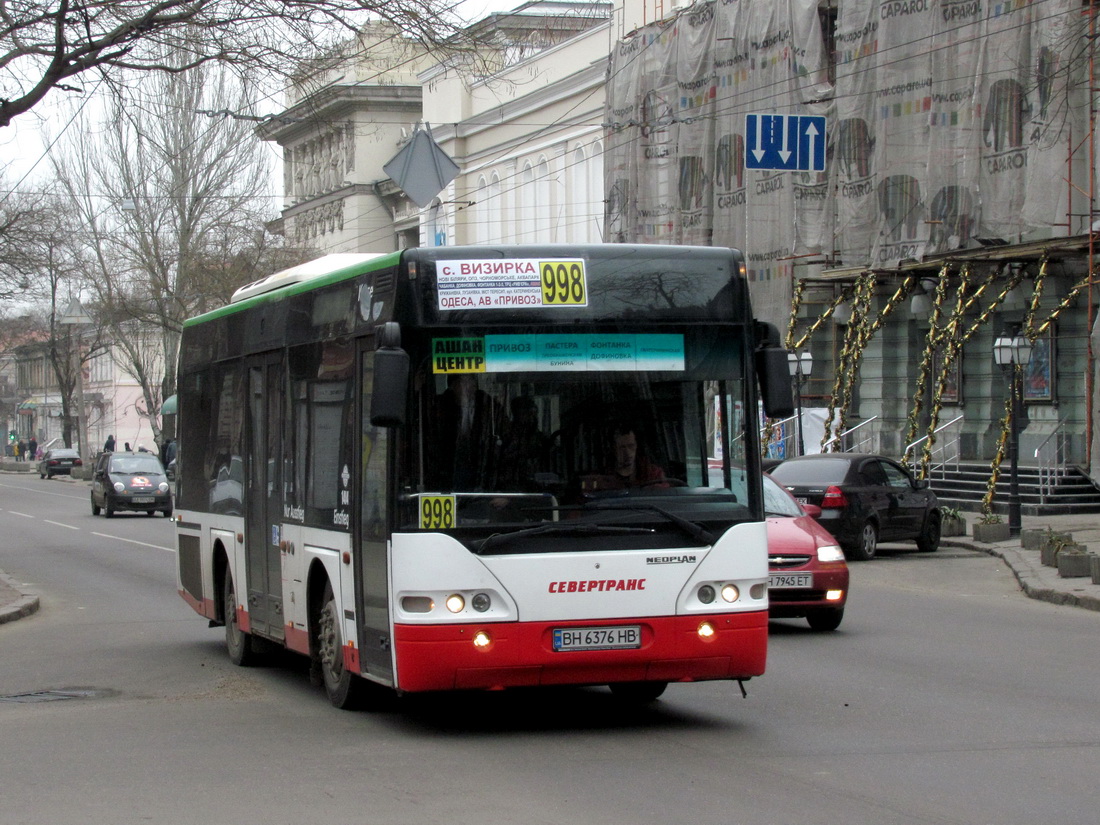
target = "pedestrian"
x: 109, y: 444
x: 22, y: 450
x: 15, y: 450
x: 127, y: 446
x: 32, y: 448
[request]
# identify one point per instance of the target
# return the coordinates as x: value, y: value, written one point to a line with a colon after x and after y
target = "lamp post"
x: 1012, y: 352
x: 801, y: 365
x: 76, y: 317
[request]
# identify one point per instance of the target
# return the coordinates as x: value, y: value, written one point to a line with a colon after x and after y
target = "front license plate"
x: 786, y: 581
x: 626, y: 637
x: 143, y: 499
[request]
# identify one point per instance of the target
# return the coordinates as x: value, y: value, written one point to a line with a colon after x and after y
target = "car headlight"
x: 163, y: 487
x: 120, y: 487
x: 830, y: 552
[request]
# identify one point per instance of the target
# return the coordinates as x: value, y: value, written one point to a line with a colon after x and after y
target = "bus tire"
x: 237, y: 643
x: 638, y: 692
x: 344, y: 688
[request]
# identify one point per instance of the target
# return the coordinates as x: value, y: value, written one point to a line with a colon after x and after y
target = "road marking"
x: 134, y: 541
x: 24, y: 515
x: 59, y: 524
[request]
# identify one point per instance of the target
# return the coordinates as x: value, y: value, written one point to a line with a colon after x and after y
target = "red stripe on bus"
x: 521, y: 654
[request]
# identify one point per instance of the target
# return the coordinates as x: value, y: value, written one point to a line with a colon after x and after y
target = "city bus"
x: 483, y: 467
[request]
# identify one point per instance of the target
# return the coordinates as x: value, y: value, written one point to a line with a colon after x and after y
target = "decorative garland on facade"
x: 861, y: 302
x: 995, y: 465
x: 925, y: 368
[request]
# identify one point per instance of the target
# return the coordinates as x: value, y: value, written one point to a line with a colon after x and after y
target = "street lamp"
x: 1012, y: 353
x: 801, y: 364
x: 76, y: 317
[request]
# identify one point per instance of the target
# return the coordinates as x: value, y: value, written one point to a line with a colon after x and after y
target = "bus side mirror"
x: 391, y: 379
x: 775, y: 382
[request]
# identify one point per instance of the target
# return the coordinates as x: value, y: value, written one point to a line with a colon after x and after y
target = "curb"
x: 1024, y: 579
x: 23, y: 606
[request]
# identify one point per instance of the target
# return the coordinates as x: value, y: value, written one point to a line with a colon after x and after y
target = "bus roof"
x: 328, y: 269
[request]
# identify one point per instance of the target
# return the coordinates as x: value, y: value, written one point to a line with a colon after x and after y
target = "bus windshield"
x: 523, y: 440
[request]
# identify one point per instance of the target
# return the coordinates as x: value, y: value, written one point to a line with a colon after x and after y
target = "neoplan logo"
x: 671, y: 559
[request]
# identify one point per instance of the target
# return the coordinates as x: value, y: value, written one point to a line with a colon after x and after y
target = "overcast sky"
x: 22, y: 146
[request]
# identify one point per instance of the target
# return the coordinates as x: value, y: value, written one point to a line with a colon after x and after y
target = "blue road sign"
x: 787, y: 142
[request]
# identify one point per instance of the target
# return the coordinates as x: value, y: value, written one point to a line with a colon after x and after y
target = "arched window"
x: 525, y: 208
x: 543, y: 206
x: 494, y: 220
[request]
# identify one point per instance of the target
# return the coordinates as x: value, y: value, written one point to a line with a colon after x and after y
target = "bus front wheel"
x: 344, y: 688
x: 237, y: 642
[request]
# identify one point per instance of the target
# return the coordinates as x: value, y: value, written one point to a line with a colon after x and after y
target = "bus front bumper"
x: 494, y: 656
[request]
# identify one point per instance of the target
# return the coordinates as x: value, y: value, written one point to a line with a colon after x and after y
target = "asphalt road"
x: 946, y: 696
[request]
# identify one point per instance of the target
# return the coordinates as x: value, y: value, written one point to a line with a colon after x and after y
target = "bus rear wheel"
x: 345, y: 690
x: 237, y: 642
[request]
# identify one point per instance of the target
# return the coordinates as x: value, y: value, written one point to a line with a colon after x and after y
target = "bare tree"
x: 22, y: 217
x: 53, y: 45
x: 172, y: 210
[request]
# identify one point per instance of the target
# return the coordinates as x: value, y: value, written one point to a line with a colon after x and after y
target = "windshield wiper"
x: 693, y: 530
x: 583, y: 529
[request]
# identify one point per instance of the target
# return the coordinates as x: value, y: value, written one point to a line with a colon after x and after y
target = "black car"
x: 864, y: 499
x: 58, y: 462
x: 130, y: 481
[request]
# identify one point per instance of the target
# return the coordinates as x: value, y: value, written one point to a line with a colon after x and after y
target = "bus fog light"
x: 456, y: 603
x: 730, y: 593
x: 482, y: 639
x: 706, y: 630
x: 834, y: 595
x: 758, y: 590
x: 706, y: 594
x: 417, y: 604
x: 481, y: 602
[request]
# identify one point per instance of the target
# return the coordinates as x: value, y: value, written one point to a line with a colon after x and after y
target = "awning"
x: 169, y: 406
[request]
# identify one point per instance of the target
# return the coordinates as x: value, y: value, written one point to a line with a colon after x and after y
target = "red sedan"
x: 808, y: 576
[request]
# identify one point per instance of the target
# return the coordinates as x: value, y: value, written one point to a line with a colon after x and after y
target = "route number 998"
x: 437, y: 512
x: 563, y: 283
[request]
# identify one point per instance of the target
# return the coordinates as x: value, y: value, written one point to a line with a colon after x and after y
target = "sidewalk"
x: 1037, y: 581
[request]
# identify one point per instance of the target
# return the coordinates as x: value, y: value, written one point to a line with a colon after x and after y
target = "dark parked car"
x: 58, y: 462
x: 864, y: 499
x: 807, y: 574
x: 130, y: 481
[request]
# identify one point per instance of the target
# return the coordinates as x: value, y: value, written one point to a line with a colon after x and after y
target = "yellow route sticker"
x: 437, y: 512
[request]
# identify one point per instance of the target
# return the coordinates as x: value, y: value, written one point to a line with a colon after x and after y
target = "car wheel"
x: 825, y: 619
x: 108, y: 510
x: 237, y: 642
x: 49, y: 476
x: 638, y: 692
x: 929, y: 539
x: 41, y: 475
x: 864, y: 550
x: 95, y: 507
x: 345, y: 690
x: 167, y: 512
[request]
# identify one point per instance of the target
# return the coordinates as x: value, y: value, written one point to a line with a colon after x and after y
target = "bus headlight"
x: 455, y: 603
x: 706, y: 630
x: 730, y: 593
x: 482, y: 639
x: 481, y: 602
x: 706, y: 594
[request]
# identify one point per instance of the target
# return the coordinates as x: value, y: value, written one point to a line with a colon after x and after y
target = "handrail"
x: 954, y: 420
x: 1054, y: 468
x: 850, y: 430
x: 1056, y: 431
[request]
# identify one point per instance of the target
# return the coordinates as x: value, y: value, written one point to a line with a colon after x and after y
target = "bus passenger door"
x: 263, y: 504
x: 372, y: 532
